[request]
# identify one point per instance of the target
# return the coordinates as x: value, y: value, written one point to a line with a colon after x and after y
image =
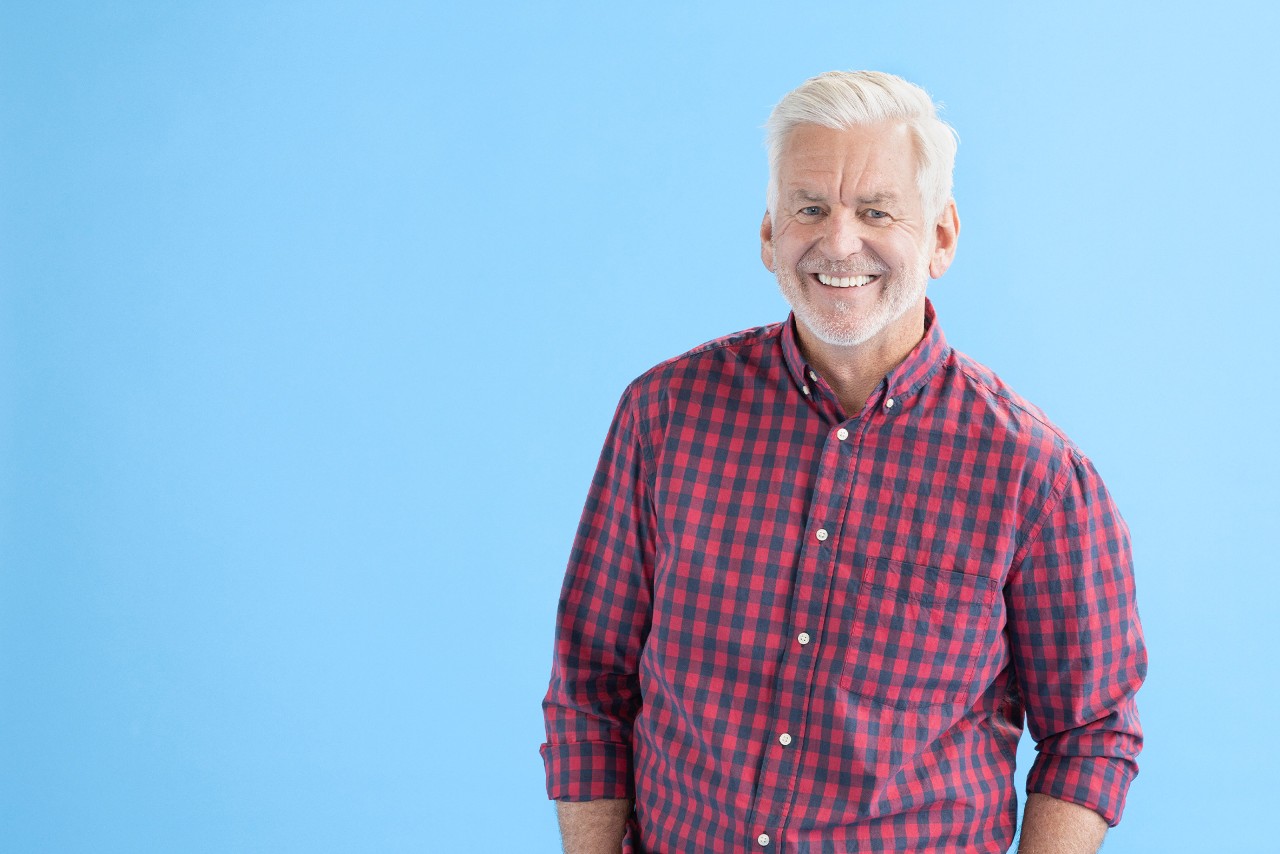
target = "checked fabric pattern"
x: 785, y: 629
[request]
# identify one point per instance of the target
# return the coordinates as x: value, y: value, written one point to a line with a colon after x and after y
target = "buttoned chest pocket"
x: 918, y: 634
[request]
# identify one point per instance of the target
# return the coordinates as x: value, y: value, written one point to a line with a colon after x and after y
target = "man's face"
x: 849, y: 242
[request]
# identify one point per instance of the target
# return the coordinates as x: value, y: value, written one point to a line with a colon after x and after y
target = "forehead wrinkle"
x: 875, y: 197
x: 855, y: 177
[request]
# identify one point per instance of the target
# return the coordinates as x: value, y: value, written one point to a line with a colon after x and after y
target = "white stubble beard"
x: 847, y: 325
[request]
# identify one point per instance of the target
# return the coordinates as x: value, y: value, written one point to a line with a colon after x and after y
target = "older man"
x: 826, y: 566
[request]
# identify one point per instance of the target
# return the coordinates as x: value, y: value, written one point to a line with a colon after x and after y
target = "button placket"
x: 777, y: 781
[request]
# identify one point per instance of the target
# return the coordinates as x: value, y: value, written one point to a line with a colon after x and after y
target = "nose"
x: 842, y: 237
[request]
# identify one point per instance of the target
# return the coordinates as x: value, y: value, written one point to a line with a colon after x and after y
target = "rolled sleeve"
x: 602, y: 622
x: 1077, y: 645
x: 588, y: 770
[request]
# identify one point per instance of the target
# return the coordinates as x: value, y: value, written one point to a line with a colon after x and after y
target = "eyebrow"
x: 874, y: 199
x: 807, y: 196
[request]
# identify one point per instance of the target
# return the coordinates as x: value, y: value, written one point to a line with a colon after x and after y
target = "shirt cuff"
x: 588, y: 770
x: 1097, y: 782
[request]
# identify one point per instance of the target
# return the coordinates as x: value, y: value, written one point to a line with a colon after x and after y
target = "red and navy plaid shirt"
x: 786, y: 629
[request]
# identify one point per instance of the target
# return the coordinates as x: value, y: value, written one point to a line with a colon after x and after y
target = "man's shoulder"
x: 1008, y: 410
x: 712, y: 360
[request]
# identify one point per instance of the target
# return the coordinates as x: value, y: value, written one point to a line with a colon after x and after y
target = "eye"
x: 812, y: 210
x: 875, y: 214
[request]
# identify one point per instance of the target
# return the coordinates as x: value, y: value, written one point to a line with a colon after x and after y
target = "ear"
x: 946, y: 233
x: 766, y: 242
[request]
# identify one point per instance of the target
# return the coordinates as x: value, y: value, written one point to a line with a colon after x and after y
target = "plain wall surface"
x: 313, y: 317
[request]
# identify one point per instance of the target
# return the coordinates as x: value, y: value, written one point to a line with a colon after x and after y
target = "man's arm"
x: 1077, y: 647
x: 593, y: 827
x: 603, y: 620
x: 1051, y: 826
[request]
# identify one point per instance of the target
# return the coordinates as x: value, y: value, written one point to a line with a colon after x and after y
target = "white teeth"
x: 849, y: 282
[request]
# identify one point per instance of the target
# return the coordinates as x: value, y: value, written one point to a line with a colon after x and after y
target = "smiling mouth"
x: 846, y: 281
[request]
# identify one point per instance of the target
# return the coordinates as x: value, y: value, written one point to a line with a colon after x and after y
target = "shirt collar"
x: 907, y: 378
x: 903, y: 380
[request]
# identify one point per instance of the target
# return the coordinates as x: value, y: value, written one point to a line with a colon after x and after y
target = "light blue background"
x: 314, y: 316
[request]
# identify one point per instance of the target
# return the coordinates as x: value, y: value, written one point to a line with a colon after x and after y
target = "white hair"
x: 845, y: 99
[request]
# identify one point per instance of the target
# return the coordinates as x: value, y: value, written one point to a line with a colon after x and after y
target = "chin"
x: 839, y: 334
x: 846, y: 327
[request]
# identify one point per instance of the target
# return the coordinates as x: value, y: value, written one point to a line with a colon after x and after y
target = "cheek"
x: 788, y: 250
x: 911, y: 254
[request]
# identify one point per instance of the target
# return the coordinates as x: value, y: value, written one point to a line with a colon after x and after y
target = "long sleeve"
x: 1077, y: 645
x: 602, y: 622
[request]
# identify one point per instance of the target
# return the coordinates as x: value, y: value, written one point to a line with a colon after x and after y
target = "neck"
x: 854, y: 372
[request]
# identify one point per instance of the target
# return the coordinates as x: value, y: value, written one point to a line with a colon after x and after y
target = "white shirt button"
x: 763, y: 839
x: 842, y: 434
x: 821, y: 535
x: 805, y: 389
x: 888, y: 404
x: 784, y: 739
x: 813, y: 376
x: 803, y: 637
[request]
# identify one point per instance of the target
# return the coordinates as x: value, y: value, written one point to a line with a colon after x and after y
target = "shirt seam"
x: 1071, y: 456
x: 1056, y: 496
x: 1038, y: 417
x: 757, y: 336
x: 751, y: 337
